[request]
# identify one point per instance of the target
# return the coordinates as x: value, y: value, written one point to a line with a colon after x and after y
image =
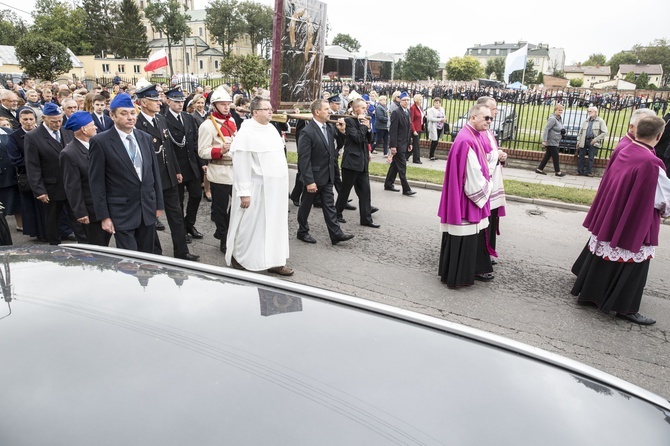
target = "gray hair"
x: 592, y: 108
x: 639, y: 114
x: 476, y: 109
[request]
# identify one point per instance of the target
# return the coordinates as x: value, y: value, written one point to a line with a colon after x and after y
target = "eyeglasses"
x: 488, y: 118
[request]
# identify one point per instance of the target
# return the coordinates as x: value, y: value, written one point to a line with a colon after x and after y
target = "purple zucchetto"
x: 51, y: 109
x: 78, y: 120
x: 121, y: 100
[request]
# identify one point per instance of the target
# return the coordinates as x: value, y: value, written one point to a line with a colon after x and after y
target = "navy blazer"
x: 103, y: 125
x: 74, y: 165
x: 400, y: 132
x: 355, y: 155
x: 316, y: 155
x: 42, y: 153
x: 116, y: 189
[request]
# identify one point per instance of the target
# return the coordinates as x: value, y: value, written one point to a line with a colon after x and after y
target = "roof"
x: 603, y: 70
x: 197, y: 15
x: 337, y: 52
x: 190, y: 41
x: 619, y: 84
x: 8, y: 57
x: 211, y: 52
x: 381, y: 57
x: 641, y: 68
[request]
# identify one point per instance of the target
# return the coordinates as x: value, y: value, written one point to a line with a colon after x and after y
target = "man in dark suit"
x: 150, y: 121
x: 42, y: 148
x: 401, y: 143
x: 355, y: 160
x: 125, y: 180
x: 100, y: 119
x: 74, y: 165
x: 8, y: 103
x: 316, y: 162
x: 183, y: 134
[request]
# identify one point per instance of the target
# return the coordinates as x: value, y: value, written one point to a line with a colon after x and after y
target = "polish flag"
x: 156, y: 60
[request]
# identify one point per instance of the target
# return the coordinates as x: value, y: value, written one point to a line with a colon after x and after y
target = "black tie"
x: 179, y: 119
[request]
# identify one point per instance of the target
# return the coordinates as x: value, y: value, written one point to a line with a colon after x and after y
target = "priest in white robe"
x: 258, y: 232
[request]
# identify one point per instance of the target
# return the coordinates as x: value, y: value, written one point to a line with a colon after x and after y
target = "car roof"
x: 111, y: 347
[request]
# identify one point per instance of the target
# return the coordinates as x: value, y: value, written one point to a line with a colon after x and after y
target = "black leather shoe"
x: 189, y: 240
x: 160, y: 226
x: 222, y: 246
x: 341, y: 219
x: 373, y: 209
x: 207, y: 197
x: 418, y: 162
x: 342, y: 238
x: 637, y: 318
x: 371, y: 225
x: 296, y: 203
x: 485, y: 277
x: 189, y: 256
x: 349, y: 207
x: 194, y: 232
x: 494, y: 262
x: 235, y: 264
x: 409, y: 193
x: 306, y: 238
x: 392, y: 189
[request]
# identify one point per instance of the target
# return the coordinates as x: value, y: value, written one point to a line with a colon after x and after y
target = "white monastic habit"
x: 258, y: 235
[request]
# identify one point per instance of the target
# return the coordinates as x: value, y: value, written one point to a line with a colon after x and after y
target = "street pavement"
x: 529, y: 300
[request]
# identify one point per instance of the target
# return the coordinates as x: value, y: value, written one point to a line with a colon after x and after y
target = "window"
x: 216, y: 64
x: 121, y: 68
x: 488, y: 51
x: 105, y: 68
x: 188, y: 59
x: 141, y: 4
x: 136, y: 68
x: 479, y: 51
x: 201, y: 65
x: 497, y: 51
x: 200, y: 31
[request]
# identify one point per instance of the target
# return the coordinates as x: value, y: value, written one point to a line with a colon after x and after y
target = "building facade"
x: 546, y: 60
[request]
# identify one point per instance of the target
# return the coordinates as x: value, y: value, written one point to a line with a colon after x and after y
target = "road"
x: 529, y: 300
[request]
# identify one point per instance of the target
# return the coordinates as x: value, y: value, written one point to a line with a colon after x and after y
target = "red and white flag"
x: 156, y: 60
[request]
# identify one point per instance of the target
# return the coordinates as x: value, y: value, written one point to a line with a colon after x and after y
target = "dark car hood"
x: 101, y: 350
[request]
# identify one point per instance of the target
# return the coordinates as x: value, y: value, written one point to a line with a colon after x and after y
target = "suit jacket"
x: 355, y: 155
x: 103, y: 125
x: 116, y: 189
x: 14, y: 121
x: 15, y: 149
x: 42, y: 155
x: 316, y: 155
x: 7, y: 169
x: 187, y: 156
x: 74, y: 165
x: 167, y: 162
x: 400, y: 132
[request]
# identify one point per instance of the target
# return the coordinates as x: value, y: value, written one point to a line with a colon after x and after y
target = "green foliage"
x: 463, y: 68
x: 99, y: 24
x: 347, y: 42
x: 657, y: 52
x: 576, y: 82
x: 421, y: 63
x: 57, y: 21
x: 224, y: 22
x: 166, y: 18
x: 527, y: 77
x: 129, y: 39
x: 41, y: 57
x: 250, y: 70
x: 12, y: 28
x: 495, y: 66
x: 558, y: 73
x: 630, y: 77
x: 257, y: 20
x: 539, y: 79
x: 642, y: 81
x: 595, y: 59
x: 621, y: 58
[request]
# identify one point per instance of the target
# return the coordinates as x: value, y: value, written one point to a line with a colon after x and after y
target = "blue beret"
x: 121, y: 100
x: 78, y: 120
x: 51, y: 109
x: 403, y: 95
x: 365, y: 97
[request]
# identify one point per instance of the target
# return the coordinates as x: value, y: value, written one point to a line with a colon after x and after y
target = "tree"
x: 58, y: 21
x: 463, y: 68
x: 250, y: 70
x: 595, y: 59
x: 657, y: 52
x: 224, y: 22
x: 257, y: 19
x: 130, y: 38
x: 42, y: 58
x: 576, y: 82
x: 495, y: 66
x: 621, y: 58
x: 539, y: 79
x: 630, y: 77
x: 421, y: 63
x: 166, y: 18
x: 527, y: 76
x: 642, y: 81
x: 347, y: 42
x: 12, y: 28
x: 99, y: 24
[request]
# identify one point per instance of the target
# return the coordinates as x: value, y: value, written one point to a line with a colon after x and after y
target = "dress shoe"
x: 494, y: 262
x: 637, y: 318
x: 222, y: 246
x: 189, y: 256
x: 70, y: 237
x: 342, y: 238
x: 349, y: 207
x: 236, y: 264
x: 418, y: 162
x: 281, y: 270
x: 371, y: 225
x: 189, y: 240
x: 409, y: 193
x: 207, y: 197
x: 341, y: 219
x: 160, y: 226
x: 306, y: 238
x: 194, y: 232
x: 392, y: 189
x: 296, y: 203
x: 484, y: 277
x: 373, y: 209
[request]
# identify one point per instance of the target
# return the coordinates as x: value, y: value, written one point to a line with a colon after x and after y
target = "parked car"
x: 105, y: 346
x: 572, y: 121
x: 504, y: 125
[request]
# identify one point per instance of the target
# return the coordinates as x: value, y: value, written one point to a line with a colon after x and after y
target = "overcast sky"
x: 579, y: 27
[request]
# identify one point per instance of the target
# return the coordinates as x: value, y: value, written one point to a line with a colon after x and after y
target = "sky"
x: 450, y: 28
